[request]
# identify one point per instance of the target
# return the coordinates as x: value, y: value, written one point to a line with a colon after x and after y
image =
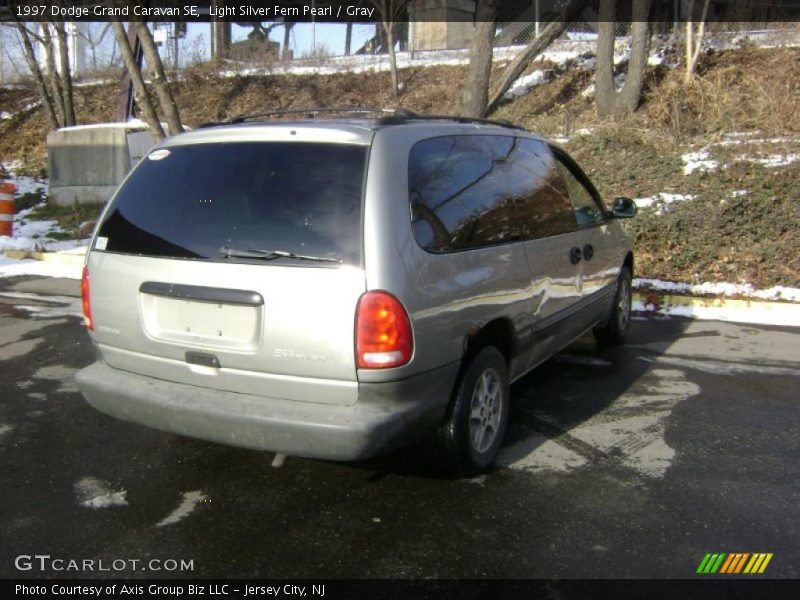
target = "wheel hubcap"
x: 486, y: 412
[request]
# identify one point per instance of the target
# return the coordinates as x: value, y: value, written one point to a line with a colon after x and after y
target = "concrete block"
x: 86, y: 163
x: 443, y: 24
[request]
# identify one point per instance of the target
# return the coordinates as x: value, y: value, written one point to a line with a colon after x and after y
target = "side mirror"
x: 623, y: 208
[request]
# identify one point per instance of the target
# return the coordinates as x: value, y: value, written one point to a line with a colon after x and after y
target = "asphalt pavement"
x: 634, y: 461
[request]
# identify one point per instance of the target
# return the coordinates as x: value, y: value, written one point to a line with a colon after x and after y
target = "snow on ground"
x: 559, y: 53
x: 525, y: 84
x: 700, y: 160
x: 661, y: 201
x: 92, y: 492
x: 719, y: 289
x: 40, y: 268
x: 766, y: 313
x: 32, y: 235
x: 745, y: 304
x: 771, y: 161
x: 24, y: 183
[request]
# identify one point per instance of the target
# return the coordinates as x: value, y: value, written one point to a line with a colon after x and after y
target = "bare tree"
x: 476, y: 88
x: 287, y: 32
x: 549, y: 34
x: 58, y: 99
x: 608, y: 100
x: 66, y: 74
x: 694, y: 39
x: 95, y: 40
x: 38, y: 76
x: 348, y: 38
x: 56, y: 91
x: 390, y: 12
x: 139, y: 89
x: 160, y: 83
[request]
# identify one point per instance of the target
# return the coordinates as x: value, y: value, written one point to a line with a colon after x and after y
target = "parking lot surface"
x: 632, y: 461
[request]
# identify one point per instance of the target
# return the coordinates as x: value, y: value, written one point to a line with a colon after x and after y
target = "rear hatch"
x: 236, y: 266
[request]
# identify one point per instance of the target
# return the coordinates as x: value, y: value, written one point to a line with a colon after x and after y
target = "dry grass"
x: 718, y: 236
x: 741, y: 90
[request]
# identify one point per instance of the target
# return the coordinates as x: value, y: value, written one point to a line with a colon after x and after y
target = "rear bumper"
x: 387, y: 415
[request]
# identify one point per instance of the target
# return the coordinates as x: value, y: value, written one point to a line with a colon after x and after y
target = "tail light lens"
x: 383, y: 332
x: 87, y: 306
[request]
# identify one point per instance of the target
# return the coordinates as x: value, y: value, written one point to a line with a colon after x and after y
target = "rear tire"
x: 615, y: 328
x: 473, y: 431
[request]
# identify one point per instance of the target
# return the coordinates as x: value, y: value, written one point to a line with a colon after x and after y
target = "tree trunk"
x: 476, y: 89
x: 694, y: 42
x: 608, y: 101
x: 287, y: 31
x: 66, y: 75
x: 139, y: 88
x: 222, y: 37
x: 348, y: 39
x: 631, y: 94
x: 38, y: 77
x: 52, y: 73
x: 548, y: 35
x: 165, y: 98
x: 388, y: 28
x: 604, y: 92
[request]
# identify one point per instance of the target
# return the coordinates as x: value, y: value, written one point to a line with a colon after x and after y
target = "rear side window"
x: 473, y: 191
x: 584, y: 202
x: 191, y: 201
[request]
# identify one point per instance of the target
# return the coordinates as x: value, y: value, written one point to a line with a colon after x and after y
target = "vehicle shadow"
x: 578, y: 384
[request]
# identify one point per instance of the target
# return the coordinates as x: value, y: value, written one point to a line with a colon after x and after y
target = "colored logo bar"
x: 734, y: 563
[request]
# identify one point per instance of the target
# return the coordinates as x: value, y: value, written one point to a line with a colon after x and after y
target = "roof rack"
x: 404, y: 116
x: 311, y: 112
x: 397, y: 116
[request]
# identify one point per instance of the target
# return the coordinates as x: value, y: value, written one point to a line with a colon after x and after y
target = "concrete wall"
x: 87, y: 163
x: 442, y: 24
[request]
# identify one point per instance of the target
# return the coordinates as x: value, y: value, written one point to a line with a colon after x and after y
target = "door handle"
x: 588, y: 251
x: 575, y: 255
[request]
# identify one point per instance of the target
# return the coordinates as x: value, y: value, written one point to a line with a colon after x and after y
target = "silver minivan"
x: 335, y: 288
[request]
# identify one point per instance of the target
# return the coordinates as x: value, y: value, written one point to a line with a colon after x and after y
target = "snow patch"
x: 661, y: 201
x: 698, y: 161
x: 96, y: 493
x: 525, y: 84
x: 710, y: 288
x: 771, y: 161
x: 48, y: 307
x: 190, y: 501
x: 4, y: 428
x: 41, y: 268
x: 24, y: 183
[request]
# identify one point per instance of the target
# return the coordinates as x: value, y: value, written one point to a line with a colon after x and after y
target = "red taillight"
x: 383, y: 332
x: 87, y: 307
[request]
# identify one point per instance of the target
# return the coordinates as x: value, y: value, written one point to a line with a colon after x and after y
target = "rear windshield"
x: 193, y: 201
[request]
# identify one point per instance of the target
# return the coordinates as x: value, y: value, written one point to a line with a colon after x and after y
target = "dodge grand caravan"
x: 334, y: 288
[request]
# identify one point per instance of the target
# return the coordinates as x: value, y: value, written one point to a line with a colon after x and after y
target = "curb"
x: 62, y: 258
x: 719, y: 308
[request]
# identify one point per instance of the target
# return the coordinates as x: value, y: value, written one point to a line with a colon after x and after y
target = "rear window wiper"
x: 228, y: 252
